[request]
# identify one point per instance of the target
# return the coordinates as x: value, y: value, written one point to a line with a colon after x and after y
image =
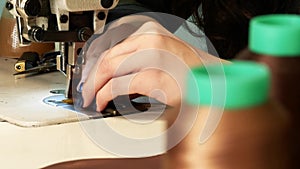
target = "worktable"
x: 34, y: 134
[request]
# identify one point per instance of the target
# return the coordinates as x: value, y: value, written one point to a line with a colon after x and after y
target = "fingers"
x: 131, y: 56
x: 122, y: 61
x: 109, y: 66
x: 125, y: 47
x: 106, y: 68
x: 101, y: 73
x: 141, y: 83
x: 116, y: 33
x: 112, y: 89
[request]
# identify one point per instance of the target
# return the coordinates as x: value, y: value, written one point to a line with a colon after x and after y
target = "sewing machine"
x: 66, y: 22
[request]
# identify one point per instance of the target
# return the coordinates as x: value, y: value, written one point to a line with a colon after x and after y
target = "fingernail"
x: 80, y: 99
x: 80, y: 86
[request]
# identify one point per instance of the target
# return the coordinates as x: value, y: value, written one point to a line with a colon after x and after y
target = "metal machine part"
x: 69, y: 23
x: 59, y: 20
x: 116, y: 107
x: 27, y: 61
x: 30, y: 63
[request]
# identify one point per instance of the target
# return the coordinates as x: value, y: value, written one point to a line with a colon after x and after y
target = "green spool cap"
x: 275, y: 34
x: 240, y: 84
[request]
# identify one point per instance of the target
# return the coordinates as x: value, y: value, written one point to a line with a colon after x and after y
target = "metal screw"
x: 9, y: 6
x: 33, y: 7
x: 64, y: 18
x: 85, y: 33
x: 18, y: 67
x: 107, y: 3
x: 101, y: 15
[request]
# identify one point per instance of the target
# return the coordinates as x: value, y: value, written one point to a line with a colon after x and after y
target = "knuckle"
x: 106, y: 66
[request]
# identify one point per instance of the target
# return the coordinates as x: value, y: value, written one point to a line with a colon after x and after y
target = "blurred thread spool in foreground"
x: 252, y: 133
x: 275, y: 41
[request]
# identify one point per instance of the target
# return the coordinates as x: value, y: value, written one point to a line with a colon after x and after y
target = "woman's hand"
x: 151, y: 61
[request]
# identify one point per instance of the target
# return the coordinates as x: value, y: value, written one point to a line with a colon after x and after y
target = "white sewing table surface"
x: 34, y: 134
x: 20, y: 93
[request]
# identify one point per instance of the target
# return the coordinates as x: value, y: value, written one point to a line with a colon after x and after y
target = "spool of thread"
x: 275, y: 41
x: 252, y: 131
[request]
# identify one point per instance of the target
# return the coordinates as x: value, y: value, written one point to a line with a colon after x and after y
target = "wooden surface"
x: 155, y: 162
